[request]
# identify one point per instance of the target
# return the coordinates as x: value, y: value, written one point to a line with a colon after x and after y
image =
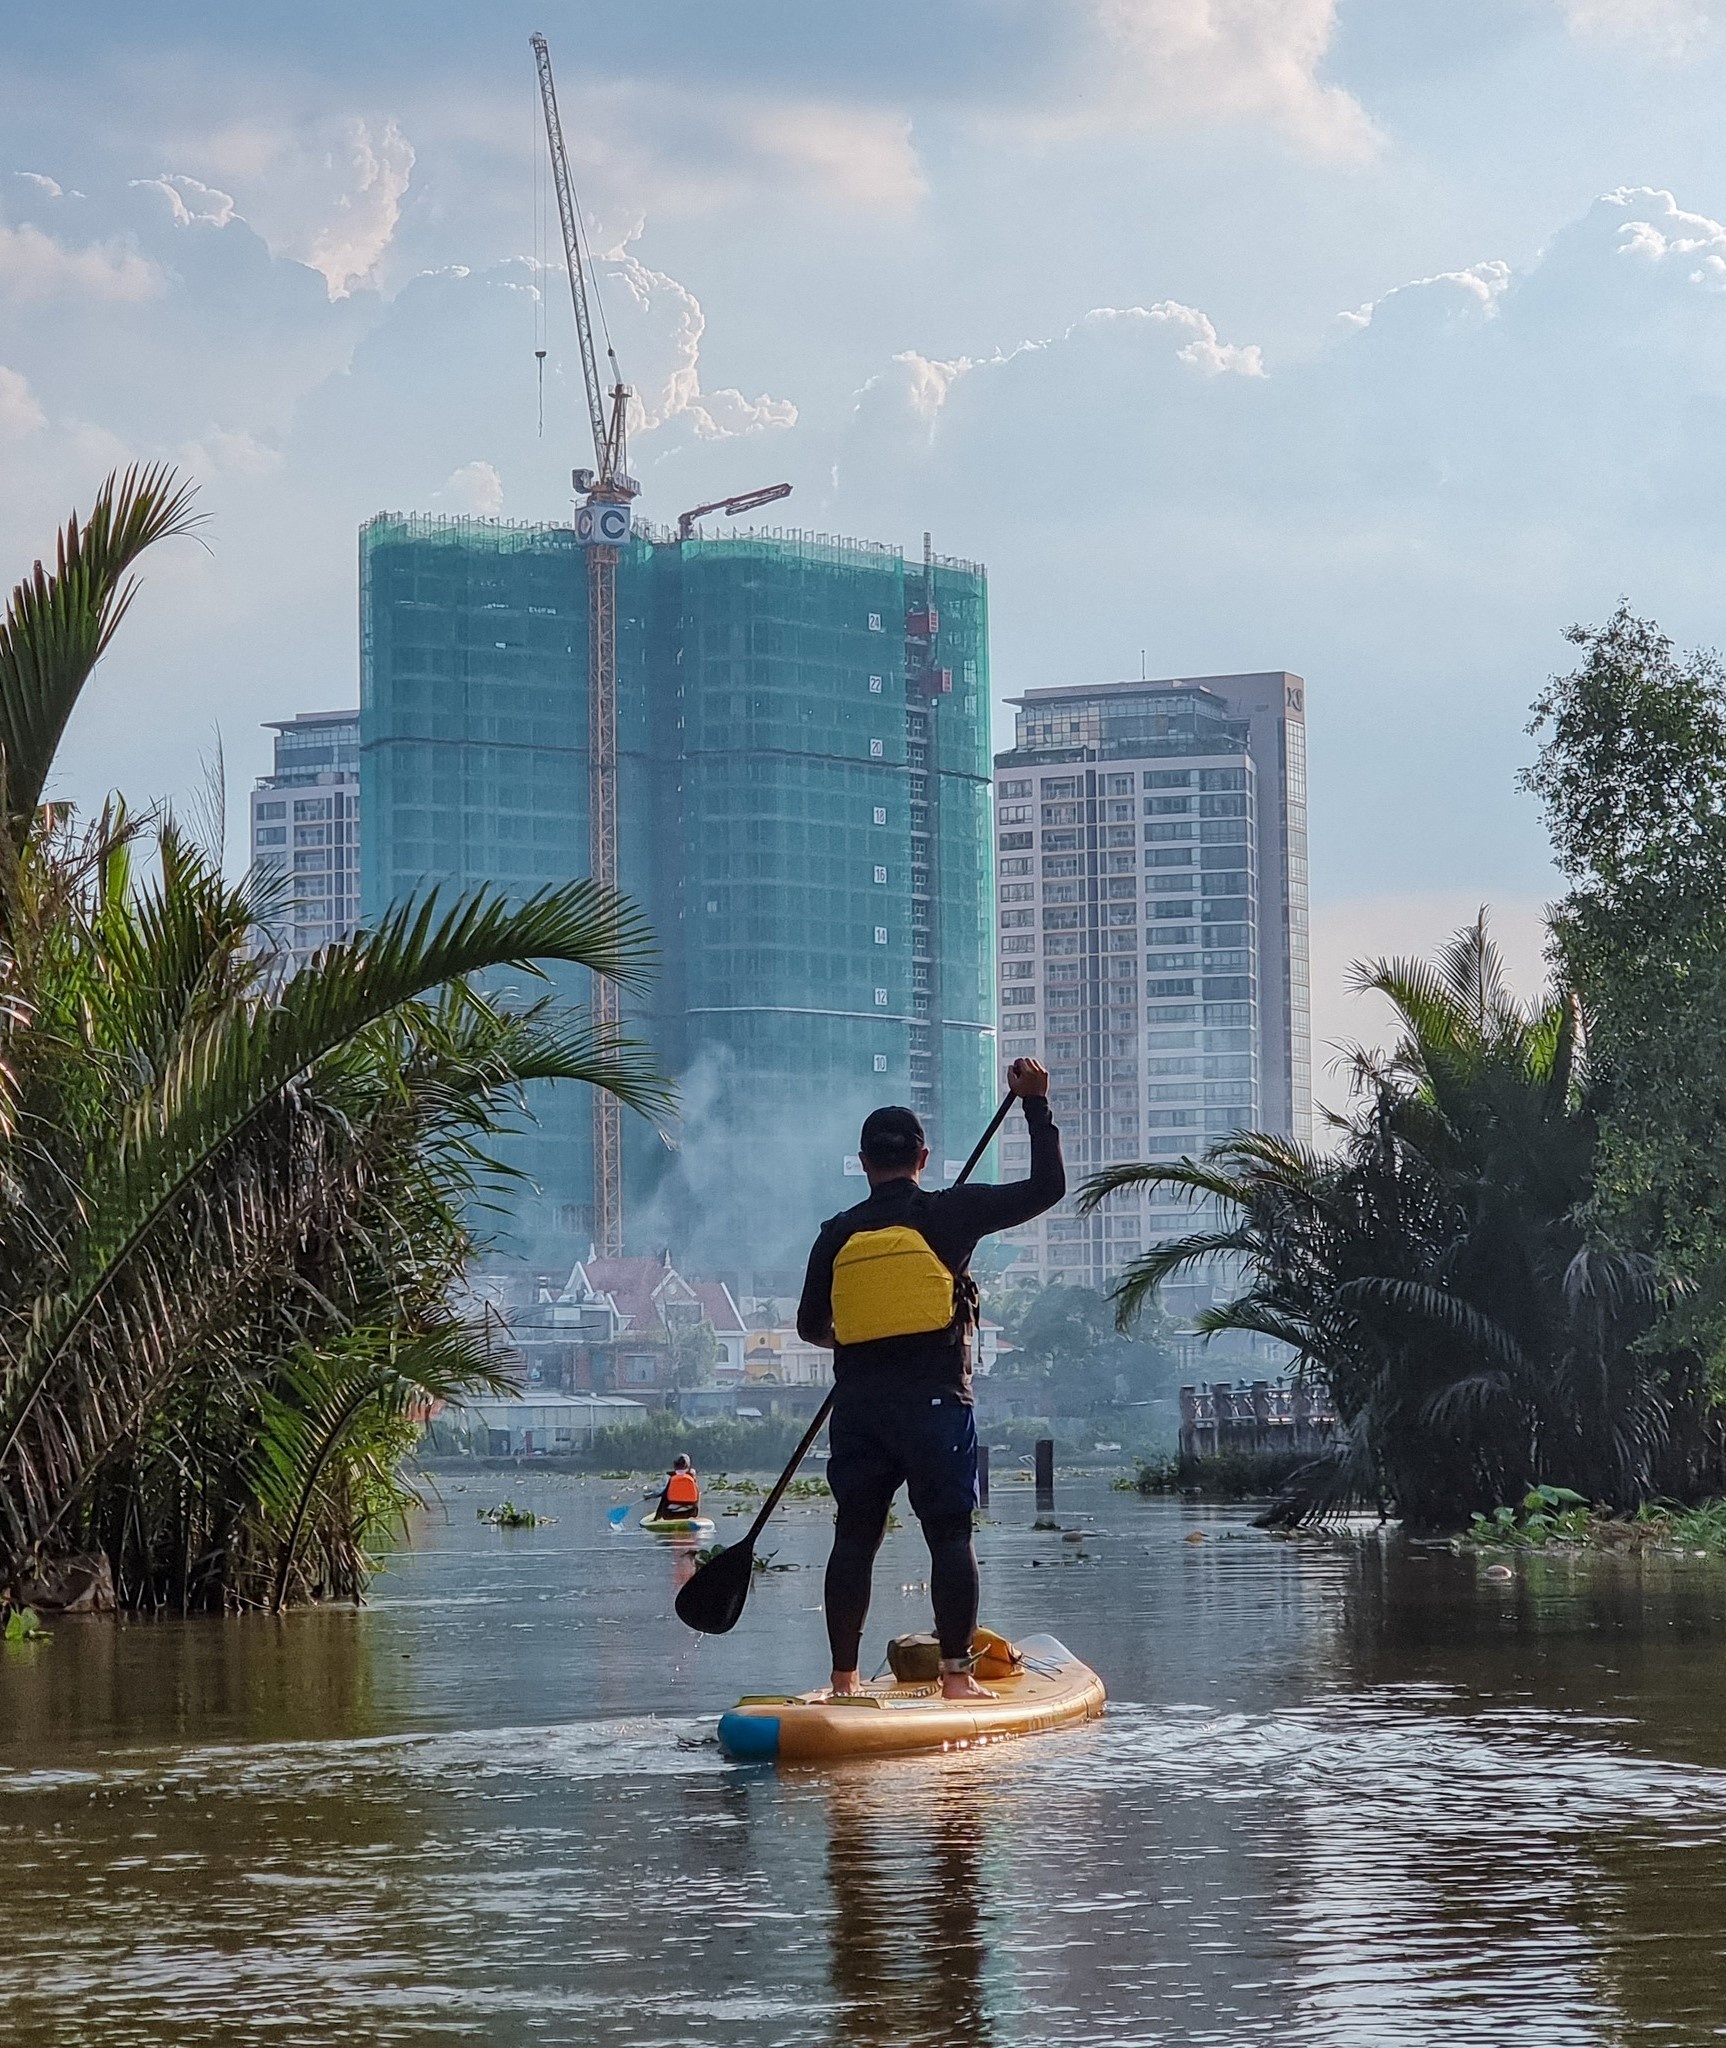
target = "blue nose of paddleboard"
x: 750, y: 1738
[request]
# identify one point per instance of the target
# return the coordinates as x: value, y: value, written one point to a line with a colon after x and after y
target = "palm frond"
x: 59, y: 622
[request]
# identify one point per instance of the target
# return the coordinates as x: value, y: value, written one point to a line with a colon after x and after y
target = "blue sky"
x: 1377, y: 339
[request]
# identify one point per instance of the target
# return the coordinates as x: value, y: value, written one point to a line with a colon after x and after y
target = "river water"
x: 1349, y: 1794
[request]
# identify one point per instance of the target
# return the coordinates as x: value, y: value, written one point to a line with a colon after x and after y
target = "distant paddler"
x: 889, y: 1288
x: 680, y: 1497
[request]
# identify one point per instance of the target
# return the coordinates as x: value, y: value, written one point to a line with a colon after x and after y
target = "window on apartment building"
x: 1169, y: 778
x: 272, y: 810
x: 1118, y: 785
x: 1062, y: 970
x: 1018, y: 892
x: 1018, y: 970
x: 1060, y: 785
x: 1020, y: 787
x: 1063, y: 942
x: 1025, y: 944
x: 1184, y: 830
x: 1013, y: 814
x: 1010, y: 842
x: 1011, y: 919
x: 1061, y: 814
x: 1222, y: 778
x: 1062, y: 864
x: 272, y: 835
x: 1015, y: 866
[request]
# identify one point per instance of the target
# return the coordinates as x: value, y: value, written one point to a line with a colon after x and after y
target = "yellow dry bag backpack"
x: 889, y: 1283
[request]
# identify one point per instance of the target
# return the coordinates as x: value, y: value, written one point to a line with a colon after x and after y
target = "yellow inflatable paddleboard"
x: 1050, y: 1689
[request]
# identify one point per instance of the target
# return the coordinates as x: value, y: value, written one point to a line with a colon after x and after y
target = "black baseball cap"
x: 892, y: 1136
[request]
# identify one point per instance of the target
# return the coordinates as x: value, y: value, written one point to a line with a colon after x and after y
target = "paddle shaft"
x: 826, y: 1408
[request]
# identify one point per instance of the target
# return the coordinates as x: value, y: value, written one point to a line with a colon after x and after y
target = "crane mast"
x: 608, y: 485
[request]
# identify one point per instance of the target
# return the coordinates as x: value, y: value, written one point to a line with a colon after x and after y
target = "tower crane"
x: 745, y: 501
x: 602, y: 524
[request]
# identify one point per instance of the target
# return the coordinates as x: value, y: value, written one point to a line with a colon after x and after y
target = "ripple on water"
x: 1259, y: 1847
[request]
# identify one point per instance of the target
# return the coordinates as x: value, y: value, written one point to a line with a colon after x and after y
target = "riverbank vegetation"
x: 1555, y: 1518
x: 233, y: 1205
x: 1509, y: 1269
x: 1216, y: 1475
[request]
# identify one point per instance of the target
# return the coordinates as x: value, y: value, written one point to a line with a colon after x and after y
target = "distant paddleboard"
x: 678, y: 1525
x: 1052, y: 1690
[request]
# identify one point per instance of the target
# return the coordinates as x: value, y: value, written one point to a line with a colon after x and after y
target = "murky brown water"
x: 1348, y: 1795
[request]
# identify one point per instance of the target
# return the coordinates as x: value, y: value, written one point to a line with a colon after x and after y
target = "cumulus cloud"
x: 1662, y: 232
x: 1473, y: 293
x: 35, y: 266
x: 1203, y: 348
x: 19, y: 412
x: 327, y: 193
x: 1185, y: 62
x: 190, y: 201
x: 476, y: 488
x: 906, y: 402
x: 660, y: 324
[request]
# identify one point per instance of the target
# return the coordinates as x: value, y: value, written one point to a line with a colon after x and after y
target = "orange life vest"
x: 681, y: 1490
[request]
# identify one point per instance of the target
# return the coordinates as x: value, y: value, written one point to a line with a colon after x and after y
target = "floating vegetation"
x: 24, y: 1625
x: 1557, y: 1518
x: 761, y: 1561
x: 506, y: 1515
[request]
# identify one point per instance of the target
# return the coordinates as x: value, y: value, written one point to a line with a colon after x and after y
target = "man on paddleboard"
x: 889, y: 1288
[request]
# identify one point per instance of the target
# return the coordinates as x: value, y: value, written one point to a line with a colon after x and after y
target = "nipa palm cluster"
x: 1437, y: 1272
x: 234, y: 1204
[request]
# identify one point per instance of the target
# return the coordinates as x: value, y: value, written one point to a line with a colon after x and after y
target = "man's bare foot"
x: 960, y: 1685
x: 844, y: 1683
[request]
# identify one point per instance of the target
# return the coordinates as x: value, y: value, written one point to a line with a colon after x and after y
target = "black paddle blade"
x: 713, y: 1597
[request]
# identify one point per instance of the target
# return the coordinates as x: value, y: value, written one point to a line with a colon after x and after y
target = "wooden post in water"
x: 982, y: 1475
x: 1046, y: 1475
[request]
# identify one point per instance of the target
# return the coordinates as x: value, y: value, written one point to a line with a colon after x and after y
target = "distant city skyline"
x: 1151, y: 852
x: 802, y: 819
x: 305, y: 831
x: 1379, y: 338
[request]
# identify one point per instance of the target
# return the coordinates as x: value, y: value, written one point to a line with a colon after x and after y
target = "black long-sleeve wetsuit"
x: 903, y: 1406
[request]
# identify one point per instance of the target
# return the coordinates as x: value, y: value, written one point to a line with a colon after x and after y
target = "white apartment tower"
x: 1152, y: 914
x: 306, y: 831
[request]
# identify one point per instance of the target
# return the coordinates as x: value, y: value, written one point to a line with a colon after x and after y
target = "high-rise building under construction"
x: 803, y: 816
x: 1151, y: 846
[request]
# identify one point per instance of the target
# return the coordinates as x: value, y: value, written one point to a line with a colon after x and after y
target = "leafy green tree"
x: 1067, y: 1345
x: 232, y: 1206
x: 1436, y: 1273
x: 1632, y: 775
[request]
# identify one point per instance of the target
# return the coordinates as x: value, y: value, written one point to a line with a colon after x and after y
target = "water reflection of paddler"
x: 907, y: 1945
x: 889, y: 1288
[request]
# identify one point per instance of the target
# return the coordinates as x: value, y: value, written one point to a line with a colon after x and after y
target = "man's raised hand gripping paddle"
x: 889, y: 1288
